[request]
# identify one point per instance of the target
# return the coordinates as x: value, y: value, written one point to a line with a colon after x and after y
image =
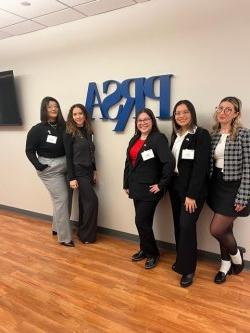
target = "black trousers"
x: 144, y: 216
x: 88, y: 210
x: 185, y: 233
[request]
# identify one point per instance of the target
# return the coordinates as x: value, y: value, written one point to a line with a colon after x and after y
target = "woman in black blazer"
x: 229, y: 188
x: 148, y: 169
x: 81, y: 169
x: 191, y: 148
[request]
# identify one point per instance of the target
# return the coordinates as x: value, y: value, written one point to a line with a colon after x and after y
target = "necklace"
x: 224, y: 131
x: 52, y: 125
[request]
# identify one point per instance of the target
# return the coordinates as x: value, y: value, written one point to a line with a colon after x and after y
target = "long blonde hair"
x: 235, y: 124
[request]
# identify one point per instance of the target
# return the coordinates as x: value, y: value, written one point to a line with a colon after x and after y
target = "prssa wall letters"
x: 143, y: 87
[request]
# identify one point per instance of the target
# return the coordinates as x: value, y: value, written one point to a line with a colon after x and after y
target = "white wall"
x: 206, y: 48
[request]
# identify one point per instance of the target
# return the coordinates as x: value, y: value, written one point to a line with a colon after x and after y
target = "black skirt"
x: 222, y: 194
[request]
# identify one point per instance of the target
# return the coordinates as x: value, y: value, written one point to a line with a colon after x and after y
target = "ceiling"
x: 18, y: 17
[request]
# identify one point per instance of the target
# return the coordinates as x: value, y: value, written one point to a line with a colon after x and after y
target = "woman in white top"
x: 229, y: 189
x: 191, y: 148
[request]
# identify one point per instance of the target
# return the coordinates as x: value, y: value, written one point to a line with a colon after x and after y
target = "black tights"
x: 222, y: 229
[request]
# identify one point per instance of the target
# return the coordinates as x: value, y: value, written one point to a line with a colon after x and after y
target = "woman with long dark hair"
x: 80, y: 154
x: 190, y: 146
x: 229, y: 189
x: 147, y: 172
x: 45, y: 150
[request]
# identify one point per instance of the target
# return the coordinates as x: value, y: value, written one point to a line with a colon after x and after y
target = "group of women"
x: 57, y: 149
x: 196, y: 167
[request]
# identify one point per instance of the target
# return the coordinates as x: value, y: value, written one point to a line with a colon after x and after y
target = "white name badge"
x: 147, y: 154
x: 188, y: 154
x: 51, y: 139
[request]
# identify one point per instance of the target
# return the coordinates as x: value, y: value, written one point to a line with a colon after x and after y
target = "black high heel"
x: 71, y: 244
x: 174, y: 267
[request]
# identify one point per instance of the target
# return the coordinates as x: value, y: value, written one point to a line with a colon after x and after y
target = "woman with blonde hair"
x: 229, y: 189
x: 81, y: 169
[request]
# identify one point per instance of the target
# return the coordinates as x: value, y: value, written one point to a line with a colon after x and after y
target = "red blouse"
x: 134, y: 150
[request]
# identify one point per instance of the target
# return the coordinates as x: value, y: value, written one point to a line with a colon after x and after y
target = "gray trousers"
x: 54, y: 179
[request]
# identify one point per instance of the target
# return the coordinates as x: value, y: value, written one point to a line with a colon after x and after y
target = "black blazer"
x: 156, y: 170
x: 193, y: 173
x: 80, y: 152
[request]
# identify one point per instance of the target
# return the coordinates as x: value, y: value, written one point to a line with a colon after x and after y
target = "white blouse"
x: 177, y: 146
x: 219, y: 151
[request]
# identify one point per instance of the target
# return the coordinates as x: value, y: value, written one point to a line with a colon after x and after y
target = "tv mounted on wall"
x: 9, y: 110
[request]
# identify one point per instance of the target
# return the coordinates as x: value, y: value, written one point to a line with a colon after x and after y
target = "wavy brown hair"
x: 71, y: 127
x: 235, y: 124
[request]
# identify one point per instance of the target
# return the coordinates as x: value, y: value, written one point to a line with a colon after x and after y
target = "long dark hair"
x: 71, y: 127
x: 44, y: 113
x: 151, y: 116
x: 192, y: 111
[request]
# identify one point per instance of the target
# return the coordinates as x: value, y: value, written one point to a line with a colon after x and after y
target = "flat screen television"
x: 9, y: 110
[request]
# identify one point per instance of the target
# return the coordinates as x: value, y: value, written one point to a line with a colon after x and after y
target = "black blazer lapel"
x: 131, y: 143
x: 172, y: 141
x: 144, y: 147
x: 139, y: 157
x: 186, y: 144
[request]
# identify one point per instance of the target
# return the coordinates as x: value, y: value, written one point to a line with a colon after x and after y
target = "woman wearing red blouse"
x: 148, y: 168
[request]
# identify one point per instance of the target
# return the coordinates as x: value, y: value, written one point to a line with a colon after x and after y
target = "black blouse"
x: 37, y: 143
x: 80, y: 151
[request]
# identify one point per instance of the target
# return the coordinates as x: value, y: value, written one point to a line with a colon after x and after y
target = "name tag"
x: 51, y: 139
x: 147, y: 154
x: 188, y: 154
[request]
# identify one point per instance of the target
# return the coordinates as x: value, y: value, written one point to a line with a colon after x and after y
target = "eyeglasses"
x: 142, y: 121
x: 184, y: 113
x: 220, y: 109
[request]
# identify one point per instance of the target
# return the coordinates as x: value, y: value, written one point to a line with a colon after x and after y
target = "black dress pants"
x: 144, y: 216
x: 185, y: 233
x: 88, y: 209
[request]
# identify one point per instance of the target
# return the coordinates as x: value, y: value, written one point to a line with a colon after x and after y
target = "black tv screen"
x: 9, y: 111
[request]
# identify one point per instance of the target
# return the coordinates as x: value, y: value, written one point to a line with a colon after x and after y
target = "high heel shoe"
x: 221, y: 277
x: 174, y: 267
x: 71, y: 244
x: 237, y: 268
